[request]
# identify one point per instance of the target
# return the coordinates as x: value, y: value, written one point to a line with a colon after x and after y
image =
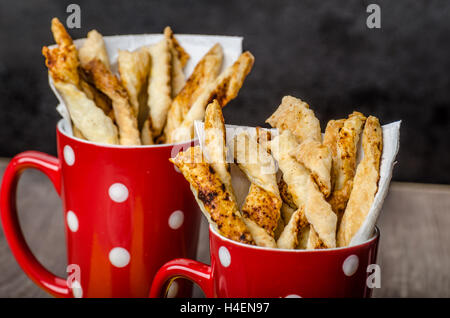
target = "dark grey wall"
x: 320, y: 51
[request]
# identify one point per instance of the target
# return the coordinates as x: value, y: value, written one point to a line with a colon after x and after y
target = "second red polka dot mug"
x: 241, y: 270
x: 127, y: 211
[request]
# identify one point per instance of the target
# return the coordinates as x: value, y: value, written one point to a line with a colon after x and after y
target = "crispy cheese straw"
x: 263, y: 202
x: 89, y: 121
x: 203, y: 75
x: 344, y: 162
x: 108, y: 83
x: 365, y: 184
x: 215, y: 201
x: 224, y: 89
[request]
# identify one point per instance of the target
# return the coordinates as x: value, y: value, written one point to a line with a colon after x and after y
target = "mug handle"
x: 51, y: 167
x: 199, y: 273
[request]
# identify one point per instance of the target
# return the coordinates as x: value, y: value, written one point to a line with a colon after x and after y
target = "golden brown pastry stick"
x: 159, y: 85
x: 133, y: 69
x: 106, y: 82
x: 101, y: 100
x: 93, y: 48
x: 303, y: 189
x: 179, y: 51
x: 224, y: 89
x: 365, y: 184
x: 215, y: 143
x: 204, y: 74
x: 62, y: 62
x: 345, y: 163
x: 177, y: 75
x: 317, y: 158
x: 88, y: 118
x: 295, y: 115
x: 146, y: 133
x: 212, y: 196
x: 330, y: 139
x: 262, y: 204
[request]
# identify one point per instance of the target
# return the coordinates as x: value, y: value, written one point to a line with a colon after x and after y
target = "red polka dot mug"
x: 127, y: 211
x: 241, y: 270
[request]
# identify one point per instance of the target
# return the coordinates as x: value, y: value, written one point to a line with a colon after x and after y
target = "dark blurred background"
x: 320, y: 51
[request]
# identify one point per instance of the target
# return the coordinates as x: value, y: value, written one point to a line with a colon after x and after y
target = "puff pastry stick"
x: 317, y: 158
x: 215, y: 143
x: 88, y: 118
x: 63, y: 63
x: 177, y: 74
x: 108, y: 83
x: 212, y: 196
x: 330, y: 139
x: 224, y: 88
x: 93, y: 48
x: 294, y: 115
x: 133, y: 69
x: 365, y: 184
x: 303, y: 189
x: 262, y: 204
x: 204, y: 74
x: 345, y: 161
x: 159, y: 85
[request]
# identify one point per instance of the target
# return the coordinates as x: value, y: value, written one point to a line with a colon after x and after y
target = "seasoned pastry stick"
x: 224, y: 89
x: 133, y: 69
x: 295, y: 115
x: 62, y: 61
x: 93, y: 48
x: 203, y: 75
x: 263, y: 202
x: 215, y: 143
x: 285, y: 194
x: 317, y: 158
x: 106, y: 82
x: 303, y: 189
x: 330, y: 139
x: 177, y: 75
x: 289, y: 237
x: 159, y: 85
x: 179, y: 51
x: 212, y: 196
x: 101, y: 100
x: 365, y: 184
x: 146, y: 133
x: 88, y: 118
x: 345, y: 162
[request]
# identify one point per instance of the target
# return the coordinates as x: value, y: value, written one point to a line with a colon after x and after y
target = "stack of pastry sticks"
x: 151, y: 101
x: 319, y: 198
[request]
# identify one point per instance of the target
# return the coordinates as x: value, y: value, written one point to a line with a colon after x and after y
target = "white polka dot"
x: 292, y: 296
x: 350, y: 265
x: 118, y: 192
x: 72, y: 221
x: 224, y: 256
x: 77, y: 291
x: 176, y: 169
x: 69, y: 155
x: 173, y: 290
x: 119, y: 257
x: 176, y: 219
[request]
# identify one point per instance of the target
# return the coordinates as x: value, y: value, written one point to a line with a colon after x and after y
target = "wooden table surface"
x: 414, y: 254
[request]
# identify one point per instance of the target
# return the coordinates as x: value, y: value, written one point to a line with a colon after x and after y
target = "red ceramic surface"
x: 127, y: 211
x: 239, y: 270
